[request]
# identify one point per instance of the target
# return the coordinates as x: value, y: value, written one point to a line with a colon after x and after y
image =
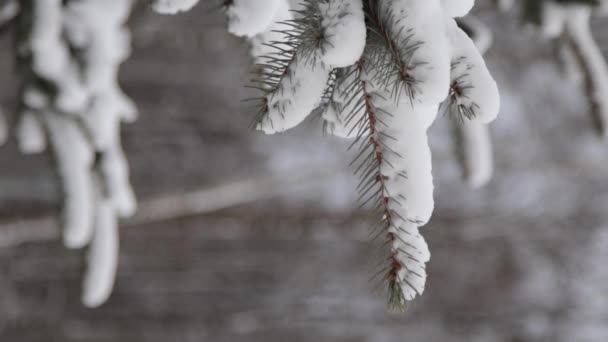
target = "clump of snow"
x: 30, y: 134
x: 172, y: 6
x: 74, y: 157
x: 457, y: 8
x: 343, y: 25
x: 472, y: 85
x: 247, y: 18
x: 102, y: 258
x: 261, y: 42
x: 298, y: 92
x: 429, y: 64
x: 82, y: 122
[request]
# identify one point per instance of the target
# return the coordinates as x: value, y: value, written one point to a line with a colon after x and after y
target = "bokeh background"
x: 244, y: 237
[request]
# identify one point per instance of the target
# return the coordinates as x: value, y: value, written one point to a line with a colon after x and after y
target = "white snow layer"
x: 247, y: 18
x: 457, y: 8
x: 343, y: 25
x: 172, y: 6
x: 298, y: 93
x: 429, y: 65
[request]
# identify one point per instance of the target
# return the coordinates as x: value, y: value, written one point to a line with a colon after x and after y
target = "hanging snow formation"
x: 71, y: 100
x: 381, y: 81
x: 472, y: 137
x: 377, y: 72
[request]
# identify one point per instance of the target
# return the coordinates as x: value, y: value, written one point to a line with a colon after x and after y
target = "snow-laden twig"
x: 376, y: 71
x: 386, y: 100
x: 70, y: 54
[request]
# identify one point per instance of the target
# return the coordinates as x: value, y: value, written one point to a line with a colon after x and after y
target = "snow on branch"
x: 69, y: 56
x: 377, y: 71
x: 473, y: 143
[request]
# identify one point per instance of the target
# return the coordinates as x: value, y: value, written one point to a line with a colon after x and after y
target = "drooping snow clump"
x: 80, y: 121
x: 381, y: 70
x: 172, y: 6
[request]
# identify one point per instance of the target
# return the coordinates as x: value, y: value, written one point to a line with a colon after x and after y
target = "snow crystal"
x: 74, y: 158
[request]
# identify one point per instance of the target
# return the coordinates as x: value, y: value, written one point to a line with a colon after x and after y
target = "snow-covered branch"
x: 69, y: 54
x: 382, y: 86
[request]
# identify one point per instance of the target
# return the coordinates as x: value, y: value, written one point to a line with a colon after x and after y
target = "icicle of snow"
x: 74, y: 158
x: 473, y: 87
x: 477, y: 158
x: 30, y: 134
x: 102, y: 259
x: 398, y: 132
x: 429, y: 64
x: 457, y: 8
x: 298, y: 93
x: 343, y: 25
x: 247, y: 18
x: 473, y: 137
x: 408, y: 167
x: 172, y: 6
